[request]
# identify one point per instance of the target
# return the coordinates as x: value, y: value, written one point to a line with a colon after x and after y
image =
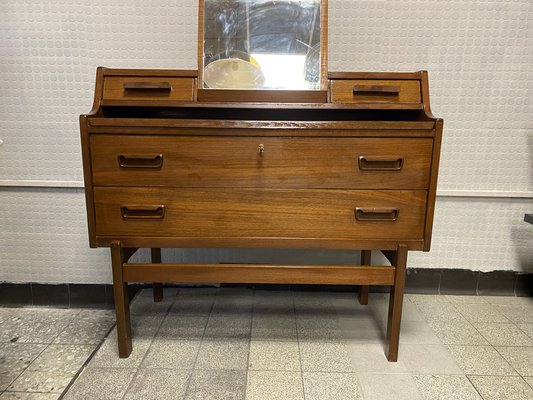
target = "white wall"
x: 478, y: 53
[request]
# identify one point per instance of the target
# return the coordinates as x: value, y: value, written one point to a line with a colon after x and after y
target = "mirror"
x: 262, y: 44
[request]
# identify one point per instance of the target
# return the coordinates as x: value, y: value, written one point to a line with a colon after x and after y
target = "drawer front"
x: 148, y: 88
x: 260, y: 213
x: 366, y: 163
x: 375, y: 91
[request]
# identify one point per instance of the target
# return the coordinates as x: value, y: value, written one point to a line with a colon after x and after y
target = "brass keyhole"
x: 261, y: 149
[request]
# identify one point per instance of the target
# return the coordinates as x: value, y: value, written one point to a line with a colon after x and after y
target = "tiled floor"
x: 244, y: 344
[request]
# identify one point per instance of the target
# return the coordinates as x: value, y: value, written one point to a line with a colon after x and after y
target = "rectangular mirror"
x: 263, y: 45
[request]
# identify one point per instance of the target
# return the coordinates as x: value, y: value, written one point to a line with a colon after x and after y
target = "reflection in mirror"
x: 262, y: 44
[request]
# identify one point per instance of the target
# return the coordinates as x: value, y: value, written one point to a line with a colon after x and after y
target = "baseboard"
x: 418, y: 280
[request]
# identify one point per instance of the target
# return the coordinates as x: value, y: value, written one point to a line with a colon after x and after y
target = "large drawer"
x: 260, y: 213
x: 148, y: 88
x: 375, y: 91
x: 346, y: 163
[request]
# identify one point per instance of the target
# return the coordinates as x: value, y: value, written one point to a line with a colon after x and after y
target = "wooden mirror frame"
x: 266, y: 95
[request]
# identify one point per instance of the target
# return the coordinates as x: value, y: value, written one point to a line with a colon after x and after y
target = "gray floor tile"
x: 272, y: 355
x: 62, y: 358
x: 428, y: 359
x: 274, y: 327
x: 160, y: 384
x: 53, y: 369
x: 388, y: 387
x: 322, y: 328
x: 527, y: 329
x: 216, y: 385
x: 362, y: 330
x: 371, y: 358
x: 466, y: 299
x: 416, y: 333
x: 88, y: 327
x: 41, y: 381
x: 144, y: 305
x: 29, y: 396
x: 15, y: 358
x: 501, y: 334
x: 276, y: 299
x: 143, y: 327
x: 446, y: 387
x: 166, y: 353
x: 229, y: 354
x: 519, y: 314
x: 229, y: 306
x: 529, y: 380
x: 520, y: 358
x: 325, y: 357
x: 481, y: 360
x: 107, y: 355
x: 502, y: 387
x: 410, y: 312
x: 427, y: 298
x: 234, y: 327
x: 274, y: 385
x: 36, y: 325
x: 331, y: 386
x: 457, y: 332
x: 182, y: 327
x: 439, y: 312
x: 101, y: 384
x: 477, y: 313
x: 194, y: 302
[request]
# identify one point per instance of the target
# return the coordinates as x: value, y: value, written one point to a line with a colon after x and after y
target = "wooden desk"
x: 358, y: 171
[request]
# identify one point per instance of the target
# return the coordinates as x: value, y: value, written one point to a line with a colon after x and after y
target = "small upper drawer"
x: 148, y: 88
x: 375, y: 91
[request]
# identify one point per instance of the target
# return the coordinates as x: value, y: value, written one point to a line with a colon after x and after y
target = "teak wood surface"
x: 179, y: 172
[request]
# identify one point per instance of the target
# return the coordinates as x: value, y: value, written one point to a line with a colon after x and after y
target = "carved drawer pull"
x: 386, y: 90
x: 148, y: 86
x: 143, y: 212
x: 140, y: 161
x: 376, y: 214
x: 380, y: 163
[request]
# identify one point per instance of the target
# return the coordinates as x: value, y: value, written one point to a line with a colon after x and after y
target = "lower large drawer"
x: 260, y: 213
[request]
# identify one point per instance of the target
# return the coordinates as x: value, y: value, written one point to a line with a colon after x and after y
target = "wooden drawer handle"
x: 143, y: 212
x: 376, y: 214
x: 380, y: 163
x: 140, y: 161
x: 386, y: 90
x: 148, y: 86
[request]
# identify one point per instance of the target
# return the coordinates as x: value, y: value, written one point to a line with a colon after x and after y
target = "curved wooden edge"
x: 432, y: 190
x: 88, y: 180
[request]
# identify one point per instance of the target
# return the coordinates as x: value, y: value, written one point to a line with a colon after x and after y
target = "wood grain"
x: 261, y: 213
x: 255, y: 273
x: 236, y: 162
x: 375, y: 91
x: 148, y: 88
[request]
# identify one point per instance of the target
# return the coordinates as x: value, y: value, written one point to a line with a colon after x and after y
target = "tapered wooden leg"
x: 158, y: 287
x: 363, y: 289
x: 395, y: 304
x: 122, y: 302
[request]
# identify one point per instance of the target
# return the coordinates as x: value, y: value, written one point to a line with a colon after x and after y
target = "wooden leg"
x: 395, y: 304
x: 122, y: 302
x: 363, y: 289
x: 158, y: 287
